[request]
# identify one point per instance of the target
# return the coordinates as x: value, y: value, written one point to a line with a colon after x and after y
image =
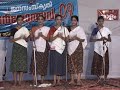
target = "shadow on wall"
x: 90, y: 52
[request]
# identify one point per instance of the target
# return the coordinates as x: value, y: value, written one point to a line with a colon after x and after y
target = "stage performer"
x: 77, y: 42
x: 19, y: 39
x: 39, y: 36
x: 58, y: 36
x: 101, y: 37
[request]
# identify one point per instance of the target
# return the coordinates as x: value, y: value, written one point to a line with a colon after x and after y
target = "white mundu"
x: 98, y: 47
x: 40, y: 43
x: 58, y: 43
x: 22, y: 32
x: 79, y: 32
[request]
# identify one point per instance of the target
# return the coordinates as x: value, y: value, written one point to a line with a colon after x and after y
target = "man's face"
x: 100, y: 22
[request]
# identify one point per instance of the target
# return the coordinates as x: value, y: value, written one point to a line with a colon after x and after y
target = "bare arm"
x: 14, y: 39
x: 76, y: 38
x: 93, y: 39
x: 44, y: 37
x: 108, y: 39
x: 80, y: 40
x: 27, y: 38
x: 53, y: 38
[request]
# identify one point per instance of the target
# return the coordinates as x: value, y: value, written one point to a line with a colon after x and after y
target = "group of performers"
x: 61, y: 43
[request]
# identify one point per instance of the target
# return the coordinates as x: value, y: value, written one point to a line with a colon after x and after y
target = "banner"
x: 109, y: 14
x: 30, y: 9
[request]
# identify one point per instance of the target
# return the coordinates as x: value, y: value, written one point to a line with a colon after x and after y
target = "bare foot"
x: 54, y: 84
x: 42, y: 81
x: 15, y: 84
x: 59, y: 83
x: 19, y: 83
x: 79, y: 83
x: 1, y: 86
x: 71, y: 83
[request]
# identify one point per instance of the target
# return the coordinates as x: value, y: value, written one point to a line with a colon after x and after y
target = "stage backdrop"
x: 30, y: 9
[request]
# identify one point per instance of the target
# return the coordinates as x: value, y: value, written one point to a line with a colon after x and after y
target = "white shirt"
x: 40, y: 43
x: 58, y: 43
x: 98, y: 47
x: 79, y: 32
x: 22, y: 32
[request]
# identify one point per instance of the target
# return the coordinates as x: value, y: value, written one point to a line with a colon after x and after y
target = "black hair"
x: 100, y: 17
x: 58, y: 15
x: 19, y: 16
x: 75, y: 16
x: 41, y: 16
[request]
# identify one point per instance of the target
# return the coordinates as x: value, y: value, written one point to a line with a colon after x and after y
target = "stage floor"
x: 65, y: 86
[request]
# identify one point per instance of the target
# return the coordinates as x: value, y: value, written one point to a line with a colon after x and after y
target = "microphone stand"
x: 66, y: 75
x: 35, y: 64
x: 66, y: 53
